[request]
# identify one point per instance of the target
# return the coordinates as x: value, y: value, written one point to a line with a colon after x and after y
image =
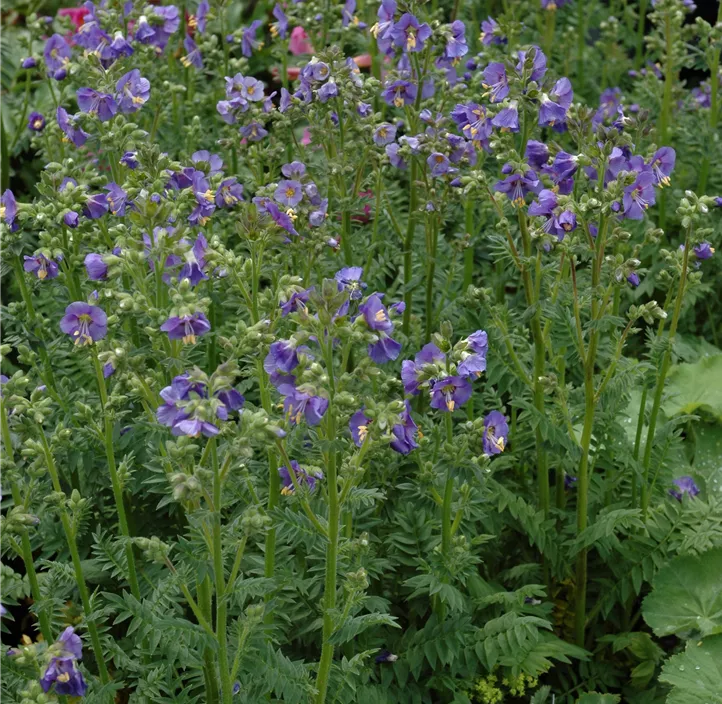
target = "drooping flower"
x: 9, y: 209
x: 662, y: 165
x: 301, y: 476
x: 409, y: 34
x: 86, y: 324
x: 199, y: 19
x: 41, y: 266
x: 375, y: 314
x: 187, y: 328
x: 96, y: 267
x: 130, y: 159
x: 450, y: 392
x: 348, y: 15
x: 94, y: 103
x: 507, y: 119
x: 77, y: 135
x: 248, y: 38
x: 703, y: 250
x: 456, y: 46
x: 404, y: 432
x: 555, y: 104
x: 496, y: 433
x: 382, y: 30
x: 684, y: 486
x: 536, y: 154
x: 36, y: 122
x: 280, y: 27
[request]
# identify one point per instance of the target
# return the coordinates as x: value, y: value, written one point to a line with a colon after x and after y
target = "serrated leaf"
x: 687, y: 597
x: 596, y: 698
x: 695, y: 674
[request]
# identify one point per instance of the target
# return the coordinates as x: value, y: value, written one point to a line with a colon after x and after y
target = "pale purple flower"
x: 450, y: 392
x: 496, y: 82
x: 496, y: 433
x: 94, y: 103
x: 86, y: 324
x: 409, y: 34
x: 41, y: 266
x: 77, y: 135
x: 187, y: 328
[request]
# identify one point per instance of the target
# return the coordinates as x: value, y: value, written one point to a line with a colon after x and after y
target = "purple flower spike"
x: 685, y: 485
x: 496, y: 432
x: 86, y: 324
x: 188, y: 328
x: 449, y: 393
x: 41, y: 266
x: 301, y: 475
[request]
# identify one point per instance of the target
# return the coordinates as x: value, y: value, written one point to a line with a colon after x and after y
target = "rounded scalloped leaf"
x: 686, y: 598
x: 694, y: 387
x: 695, y: 674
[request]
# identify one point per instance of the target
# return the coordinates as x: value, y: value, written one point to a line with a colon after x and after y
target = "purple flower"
x: 382, y: 30
x: 36, y: 122
x: 385, y: 349
x: 9, y: 209
x: 317, y: 217
x: 296, y: 302
x: 490, y: 33
x: 539, y: 64
x: 456, y: 46
x: 569, y: 481
x: 662, y: 165
x: 254, y: 132
x: 71, y: 218
x: 280, y: 27
x: 187, y: 328
x: 300, y: 475
x: 248, y: 38
x: 96, y: 267
x: 229, y: 193
x: 283, y: 220
x: 450, y: 392
x: 86, y: 324
x: 404, y: 432
x: 392, y: 152
x: 78, y: 136
x: 639, y: 196
x: 118, y: 47
x: 282, y: 357
x: 348, y: 15
x: 386, y: 656
x: 57, y: 54
x: 193, y: 55
x: 164, y: 21
x: 101, y: 104
x: 554, y: 105
x: 289, y: 193
x: 685, y: 485
x: 117, y: 199
x: 28, y: 62
x: 517, y: 186
x: 507, y: 119
x: 96, y: 206
x: 210, y: 164
x: 359, y: 427
x: 41, y: 266
x: 62, y: 673
x: 350, y: 279
x: 439, y: 164
x: 375, y: 314
x: 411, y: 371
x: 409, y: 34
x: 296, y: 404
x: 536, y: 154
x: 384, y: 134
x: 400, y: 93
x: 703, y: 250
x: 327, y: 91
x: 495, y: 82
x: 193, y: 269
x: 133, y: 91
x: 633, y: 279
x: 496, y: 432
x: 199, y: 19
x: 130, y: 159
x: 473, y: 121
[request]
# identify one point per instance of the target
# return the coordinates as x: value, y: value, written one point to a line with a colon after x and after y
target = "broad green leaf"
x: 708, y: 456
x: 596, y: 698
x: 695, y: 387
x: 695, y: 674
x: 687, y: 597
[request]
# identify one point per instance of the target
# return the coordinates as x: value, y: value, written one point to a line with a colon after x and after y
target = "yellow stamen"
x: 451, y: 404
x: 65, y: 677
x: 380, y: 316
x: 189, y: 339
x: 363, y: 431
x: 287, y: 491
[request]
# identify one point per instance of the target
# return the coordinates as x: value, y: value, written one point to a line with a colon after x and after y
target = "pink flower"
x: 363, y: 61
x: 306, y: 139
x: 76, y: 15
x: 299, y: 43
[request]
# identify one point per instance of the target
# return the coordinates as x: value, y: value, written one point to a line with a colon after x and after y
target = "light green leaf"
x: 687, y: 597
x: 694, y: 387
x: 695, y: 674
x: 596, y: 698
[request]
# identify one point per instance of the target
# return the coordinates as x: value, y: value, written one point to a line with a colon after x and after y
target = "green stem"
x: 432, y: 242
x: 448, y: 494
x: 77, y: 565
x: 469, y: 251
x: 408, y: 245
x: 210, y: 675
x: 27, y: 550
x: 640, y: 34
x: 583, y: 8
x: 115, y: 479
x: 713, y: 109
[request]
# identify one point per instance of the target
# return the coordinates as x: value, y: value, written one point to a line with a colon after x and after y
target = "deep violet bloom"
x: 300, y: 475
x: 280, y: 27
x: 117, y: 199
x: 133, y: 91
x: 296, y: 404
x: 473, y: 120
x: 392, y: 152
x: 282, y: 357
x: 9, y: 209
x: 229, y: 193
x: 539, y: 64
x: 359, y: 426
x: 288, y: 193
x: 704, y: 250
x: 254, y: 131
x: 248, y: 38
x: 56, y: 54
x: 400, y: 93
x: 130, y: 159
x: 101, y: 104
x: 296, y: 302
x: 193, y: 55
x: 639, y: 196
x: 29, y: 62
x: 283, y: 220
x: 633, y: 279
x: 61, y: 671
x: 385, y: 349
x: 41, y: 266
x: 555, y: 104
x: 496, y: 433
x: 517, y: 186
x: 350, y: 278
x: 495, y: 82
x: 165, y: 21
x: 187, y: 328
x: 404, y: 432
x: 456, y: 46
x: 450, y: 392
x: 662, y: 165
x: 36, y: 122
x: 375, y: 314
x: 77, y: 135
x: 96, y: 267
x: 507, y: 119
x: 409, y: 34
x: 684, y: 485
x: 411, y: 370
x: 86, y: 324
x: 473, y: 361
x: 71, y: 219
x: 96, y: 206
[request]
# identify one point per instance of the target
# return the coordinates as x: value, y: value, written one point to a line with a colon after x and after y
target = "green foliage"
x: 695, y: 674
